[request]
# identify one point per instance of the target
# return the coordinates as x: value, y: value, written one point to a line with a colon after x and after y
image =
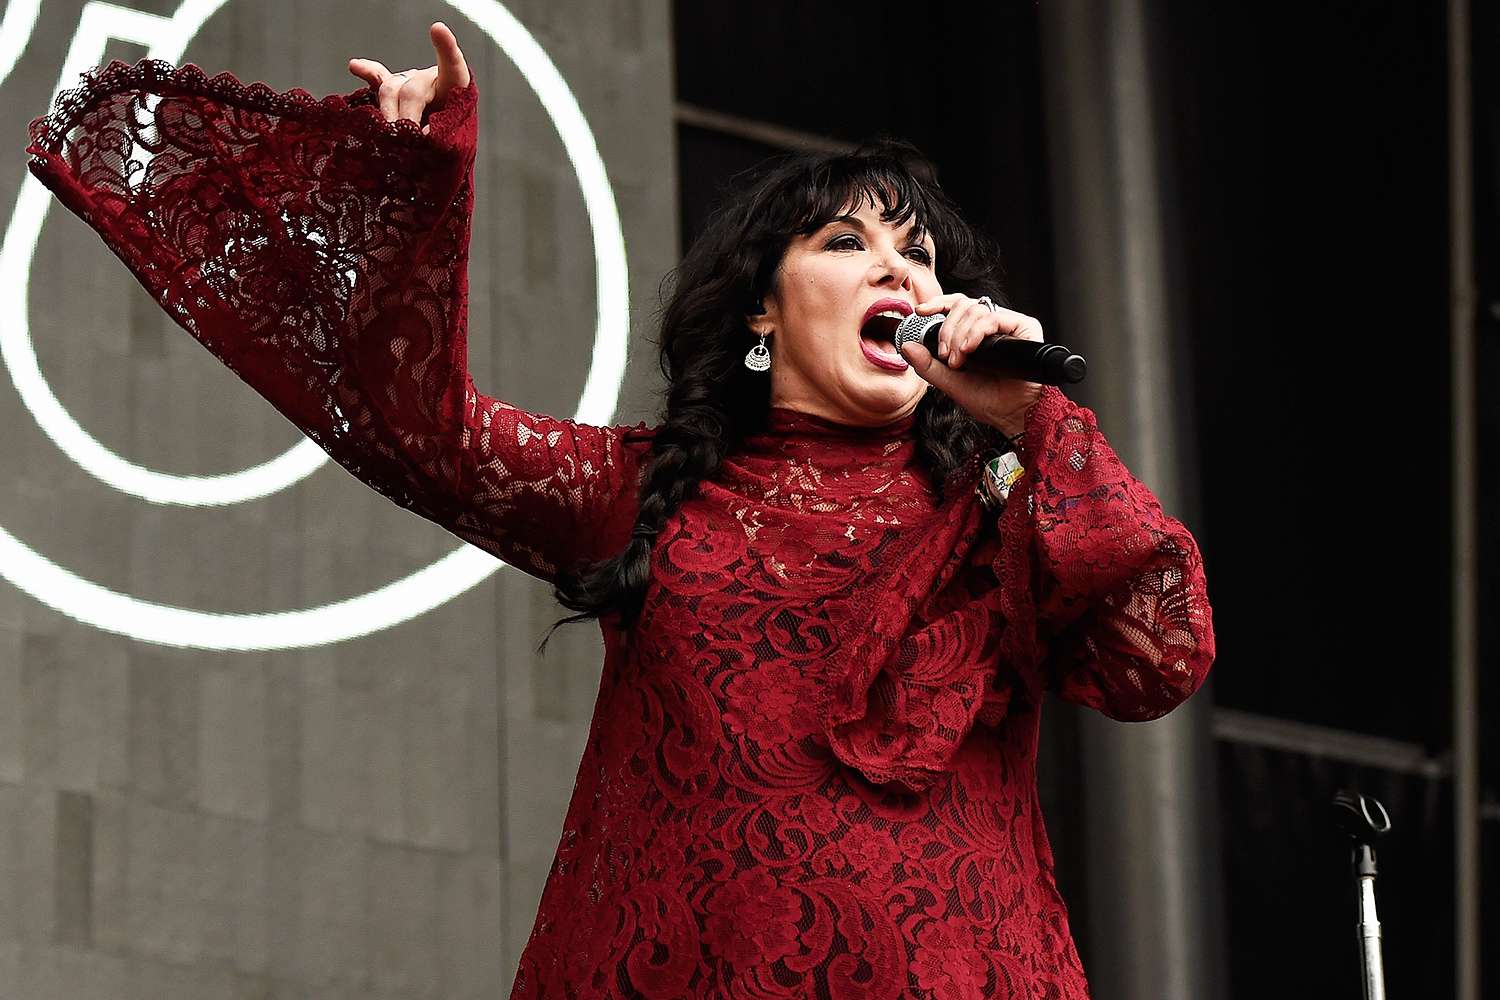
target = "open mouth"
x: 877, y: 339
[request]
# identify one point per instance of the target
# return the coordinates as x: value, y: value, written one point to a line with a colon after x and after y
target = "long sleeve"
x: 1122, y: 612
x: 321, y: 253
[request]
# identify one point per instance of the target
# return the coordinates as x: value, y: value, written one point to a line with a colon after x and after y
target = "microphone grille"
x: 915, y: 327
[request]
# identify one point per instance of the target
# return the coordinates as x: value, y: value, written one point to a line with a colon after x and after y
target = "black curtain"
x: 1309, y: 176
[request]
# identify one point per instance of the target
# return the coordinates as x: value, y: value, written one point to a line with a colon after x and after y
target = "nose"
x: 894, y: 269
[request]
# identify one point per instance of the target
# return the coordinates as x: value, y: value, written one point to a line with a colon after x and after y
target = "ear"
x: 762, y: 315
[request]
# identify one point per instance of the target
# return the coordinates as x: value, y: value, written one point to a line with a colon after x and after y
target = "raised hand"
x: 408, y: 93
x: 992, y: 399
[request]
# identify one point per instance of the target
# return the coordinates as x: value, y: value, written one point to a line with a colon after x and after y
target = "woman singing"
x: 828, y: 626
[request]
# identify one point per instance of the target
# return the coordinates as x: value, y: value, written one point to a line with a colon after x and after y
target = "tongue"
x: 884, y: 348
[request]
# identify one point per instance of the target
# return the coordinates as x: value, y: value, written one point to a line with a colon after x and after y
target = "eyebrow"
x: 914, y: 234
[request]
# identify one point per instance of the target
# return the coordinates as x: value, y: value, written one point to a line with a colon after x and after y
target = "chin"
x: 897, y: 397
x: 906, y: 387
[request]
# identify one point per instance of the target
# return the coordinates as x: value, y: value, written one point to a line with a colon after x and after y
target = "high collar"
x: 801, y: 438
x: 783, y: 422
x: 837, y: 474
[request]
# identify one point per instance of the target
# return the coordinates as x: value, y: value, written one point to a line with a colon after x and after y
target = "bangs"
x: 798, y: 194
x: 845, y: 184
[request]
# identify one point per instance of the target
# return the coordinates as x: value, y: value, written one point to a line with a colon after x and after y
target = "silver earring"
x: 759, y: 359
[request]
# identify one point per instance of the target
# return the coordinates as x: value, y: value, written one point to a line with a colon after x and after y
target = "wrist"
x: 1012, y: 427
x: 1013, y: 423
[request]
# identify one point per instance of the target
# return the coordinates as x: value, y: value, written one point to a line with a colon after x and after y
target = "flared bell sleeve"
x: 1081, y: 585
x: 1104, y: 593
x: 321, y: 253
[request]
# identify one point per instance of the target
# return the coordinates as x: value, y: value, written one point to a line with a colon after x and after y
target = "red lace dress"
x: 811, y: 767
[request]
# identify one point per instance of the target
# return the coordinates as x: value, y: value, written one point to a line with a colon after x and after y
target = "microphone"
x: 1049, y: 364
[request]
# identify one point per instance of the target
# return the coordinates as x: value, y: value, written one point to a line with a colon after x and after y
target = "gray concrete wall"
x: 368, y: 819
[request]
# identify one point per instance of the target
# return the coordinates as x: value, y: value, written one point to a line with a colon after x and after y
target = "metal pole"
x: 1465, y: 529
x: 1154, y: 906
x: 1368, y: 928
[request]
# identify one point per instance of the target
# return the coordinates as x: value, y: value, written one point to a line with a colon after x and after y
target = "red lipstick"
x: 877, y: 346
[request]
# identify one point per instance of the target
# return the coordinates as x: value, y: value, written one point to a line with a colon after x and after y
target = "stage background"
x: 1304, y: 184
x: 370, y: 819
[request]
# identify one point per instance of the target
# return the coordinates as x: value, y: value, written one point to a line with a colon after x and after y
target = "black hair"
x: 712, y: 400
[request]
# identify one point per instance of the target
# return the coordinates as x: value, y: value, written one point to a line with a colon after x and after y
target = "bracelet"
x: 997, y: 475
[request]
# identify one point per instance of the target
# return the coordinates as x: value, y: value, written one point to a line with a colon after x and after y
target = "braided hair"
x: 713, y: 402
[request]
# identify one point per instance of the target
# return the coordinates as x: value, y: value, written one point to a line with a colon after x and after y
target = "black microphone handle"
x: 1049, y: 364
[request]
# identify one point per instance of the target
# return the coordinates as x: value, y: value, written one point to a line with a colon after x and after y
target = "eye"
x: 833, y: 244
x: 925, y: 257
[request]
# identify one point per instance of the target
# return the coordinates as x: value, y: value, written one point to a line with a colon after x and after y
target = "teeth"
x: 884, y: 331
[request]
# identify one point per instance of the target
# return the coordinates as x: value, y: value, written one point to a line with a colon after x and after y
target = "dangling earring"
x: 759, y: 359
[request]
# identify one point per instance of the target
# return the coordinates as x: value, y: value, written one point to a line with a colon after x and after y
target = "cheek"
x: 819, y: 314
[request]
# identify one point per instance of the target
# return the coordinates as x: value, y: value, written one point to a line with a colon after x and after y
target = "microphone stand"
x: 1363, y: 819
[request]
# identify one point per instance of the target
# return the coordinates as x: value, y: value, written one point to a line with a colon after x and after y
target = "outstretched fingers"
x: 409, y: 93
x: 369, y: 70
x: 453, y: 72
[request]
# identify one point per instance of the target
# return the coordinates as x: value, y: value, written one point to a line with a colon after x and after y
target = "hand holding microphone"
x: 995, y: 362
x: 1015, y: 357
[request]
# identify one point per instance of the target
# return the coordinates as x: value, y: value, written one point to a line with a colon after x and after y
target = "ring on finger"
x: 985, y: 301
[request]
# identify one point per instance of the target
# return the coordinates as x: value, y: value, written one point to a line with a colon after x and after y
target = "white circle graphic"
x: 392, y: 604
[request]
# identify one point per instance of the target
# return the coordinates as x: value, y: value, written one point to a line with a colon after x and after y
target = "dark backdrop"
x: 1308, y: 191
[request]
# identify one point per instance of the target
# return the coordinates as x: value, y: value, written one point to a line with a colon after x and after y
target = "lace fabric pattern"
x: 811, y: 766
x: 321, y: 253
